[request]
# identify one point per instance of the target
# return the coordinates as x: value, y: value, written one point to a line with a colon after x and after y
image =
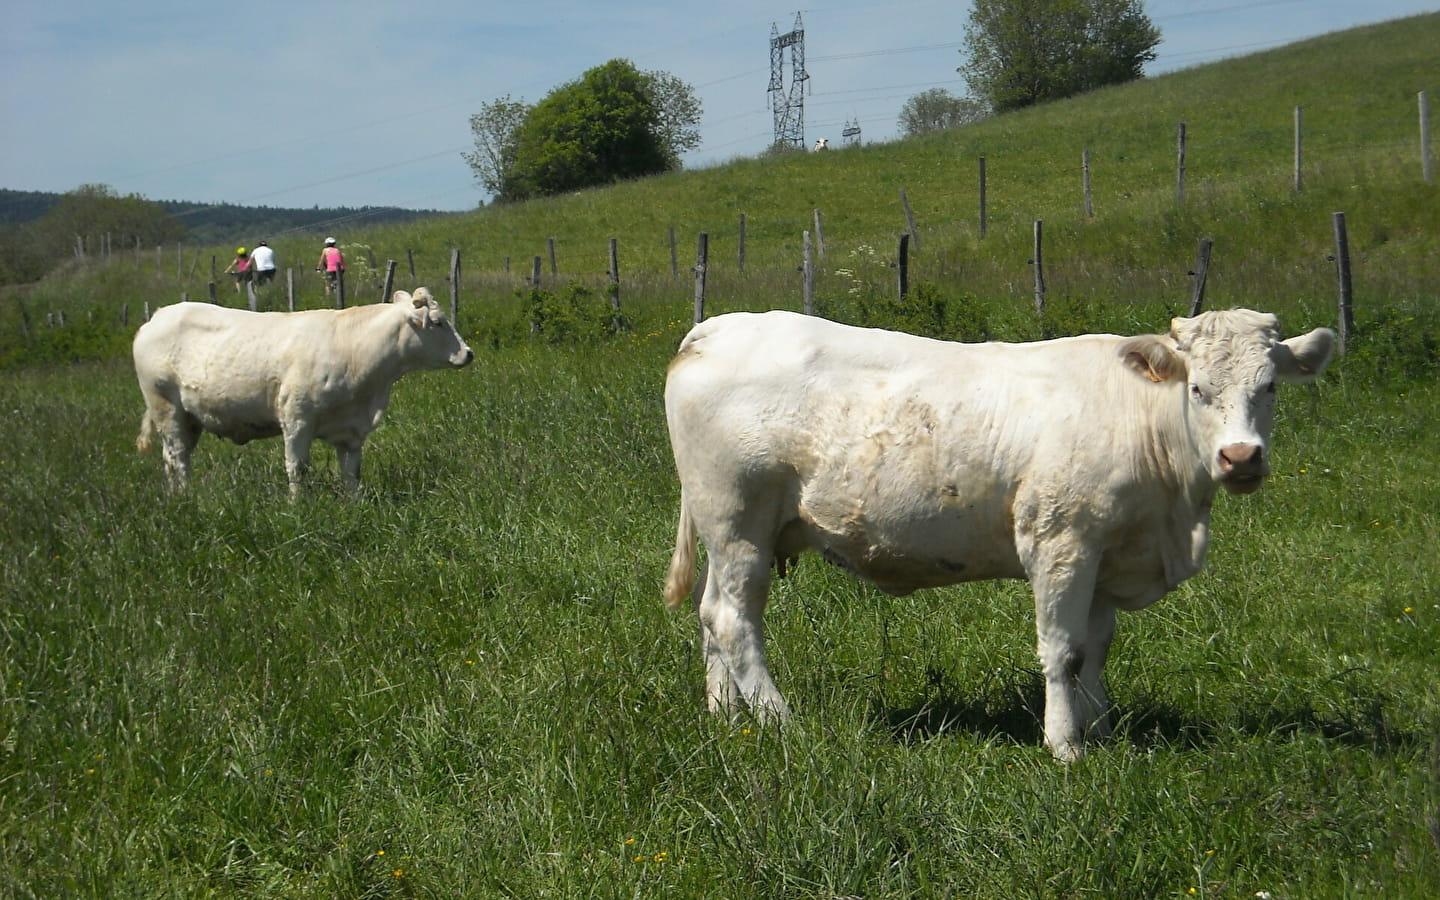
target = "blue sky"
x: 301, y: 104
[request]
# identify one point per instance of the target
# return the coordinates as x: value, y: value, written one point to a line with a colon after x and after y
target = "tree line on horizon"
x: 40, y: 230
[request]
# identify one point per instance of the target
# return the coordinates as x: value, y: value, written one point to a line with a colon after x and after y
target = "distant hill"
x: 208, y: 223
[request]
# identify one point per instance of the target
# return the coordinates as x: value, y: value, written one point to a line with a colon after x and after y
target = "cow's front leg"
x: 1064, y: 589
x: 349, y: 458
x: 297, y: 455
x: 1094, y: 699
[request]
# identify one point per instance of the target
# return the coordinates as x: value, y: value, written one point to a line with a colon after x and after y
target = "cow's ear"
x: 1149, y: 355
x: 1304, y: 357
x: 423, y: 298
x: 401, y: 297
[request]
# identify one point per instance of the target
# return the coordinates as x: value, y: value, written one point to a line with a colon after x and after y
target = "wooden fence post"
x: 535, y: 303
x: 290, y: 288
x: 1425, y: 168
x: 910, y: 220
x: 1342, y: 274
x: 1202, y: 271
x: 983, y: 224
x: 1039, y: 263
x: 210, y: 290
x: 1299, y: 131
x: 1085, y: 181
x: 819, y: 236
x: 674, y: 256
x: 455, y: 287
x: 617, y: 321
x: 410, y: 257
x: 807, y: 269
x: 340, y: 289
x: 902, y: 267
x: 252, y: 301
x: 1180, y: 165
x: 742, y: 242
x: 390, y: 265
x: 702, y: 254
x: 550, y: 247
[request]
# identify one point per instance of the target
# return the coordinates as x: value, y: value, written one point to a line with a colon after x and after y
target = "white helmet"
x: 329, y: 241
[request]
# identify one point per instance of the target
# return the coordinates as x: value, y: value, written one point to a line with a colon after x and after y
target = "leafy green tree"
x: 614, y: 122
x: 678, y: 111
x: 1023, y: 52
x: 496, y: 129
x: 936, y: 110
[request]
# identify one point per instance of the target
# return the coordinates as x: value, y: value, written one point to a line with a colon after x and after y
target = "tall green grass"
x: 463, y: 683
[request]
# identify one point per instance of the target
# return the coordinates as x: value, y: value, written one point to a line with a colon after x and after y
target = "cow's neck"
x: 378, y: 355
x: 1182, y: 469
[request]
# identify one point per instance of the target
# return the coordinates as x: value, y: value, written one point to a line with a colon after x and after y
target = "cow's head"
x: 441, y: 345
x: 1229, y: 363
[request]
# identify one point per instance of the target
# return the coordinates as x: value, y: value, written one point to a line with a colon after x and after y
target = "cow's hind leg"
x: 179, y: 433
x: 732, y: 610
x: 298, y: 439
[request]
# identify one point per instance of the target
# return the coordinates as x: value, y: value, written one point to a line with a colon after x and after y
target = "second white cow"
x: 320, y: 373
x: 1087, y: 465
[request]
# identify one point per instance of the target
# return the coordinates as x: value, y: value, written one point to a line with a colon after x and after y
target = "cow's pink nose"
x: 1242, y: 459
x: 1242, y: 467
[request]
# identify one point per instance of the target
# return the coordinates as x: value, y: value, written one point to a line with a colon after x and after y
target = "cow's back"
x: 187, y: 339
x: 226, y: 368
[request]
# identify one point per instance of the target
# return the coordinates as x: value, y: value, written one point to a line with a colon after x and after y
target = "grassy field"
x: 463, y: 681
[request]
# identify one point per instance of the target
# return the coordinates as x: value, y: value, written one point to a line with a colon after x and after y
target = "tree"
x: 85, y: 216
x: 936, y: 110
x: 496, y: 128
x: 614, y: 122
x: 1023, y: 52
x: 679, y: 113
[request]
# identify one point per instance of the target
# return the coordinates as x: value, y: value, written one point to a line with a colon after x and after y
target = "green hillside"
x: 1357, y: 89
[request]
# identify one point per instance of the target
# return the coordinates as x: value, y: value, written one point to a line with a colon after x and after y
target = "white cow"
x: 821, y: 144
x: 321, y: 373
x: 1087, y: 465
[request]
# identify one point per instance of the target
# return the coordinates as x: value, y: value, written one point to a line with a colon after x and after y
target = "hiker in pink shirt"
x: 240, y: 268
x: 332, y: 263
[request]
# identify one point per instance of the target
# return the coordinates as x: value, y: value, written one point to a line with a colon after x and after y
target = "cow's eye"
x: 1196, y: 394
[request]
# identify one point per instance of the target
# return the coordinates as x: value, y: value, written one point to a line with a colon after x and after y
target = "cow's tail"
x: 680, y: 579
x: 147, y: 431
